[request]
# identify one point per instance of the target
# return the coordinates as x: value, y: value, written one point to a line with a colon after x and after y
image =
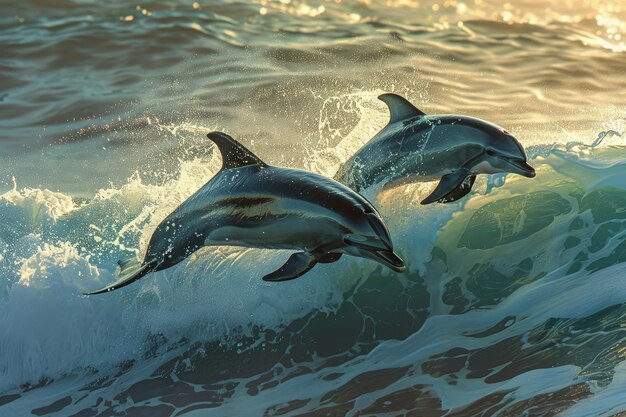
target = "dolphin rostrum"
x: 417, y: 147
x: 252, y: 204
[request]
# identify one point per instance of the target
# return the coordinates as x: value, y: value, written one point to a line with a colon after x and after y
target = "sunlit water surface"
x: 514, y: 299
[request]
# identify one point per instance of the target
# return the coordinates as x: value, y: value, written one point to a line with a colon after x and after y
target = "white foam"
x: 608, y: 401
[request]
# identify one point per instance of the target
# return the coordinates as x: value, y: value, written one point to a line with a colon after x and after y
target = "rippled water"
x: 514, y: 299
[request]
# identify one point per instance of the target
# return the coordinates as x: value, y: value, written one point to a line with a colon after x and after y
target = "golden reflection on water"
x: 607, y: 20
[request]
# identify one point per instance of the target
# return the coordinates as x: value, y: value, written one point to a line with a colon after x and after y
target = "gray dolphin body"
x: 252, y: 204
x: 417, y: 147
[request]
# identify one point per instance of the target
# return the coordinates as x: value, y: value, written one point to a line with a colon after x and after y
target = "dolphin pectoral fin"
x: 448, y: 184
x: 130, y: 275
x: 399, y: 107
x: 297, y: 265
x: 234, y: 154
x: 460, y: 191
x: 329, y: 258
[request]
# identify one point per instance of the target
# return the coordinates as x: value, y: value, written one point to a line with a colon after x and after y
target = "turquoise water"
x: 513, y: 303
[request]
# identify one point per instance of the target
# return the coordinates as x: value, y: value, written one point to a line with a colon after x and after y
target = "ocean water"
x: 514, y: 301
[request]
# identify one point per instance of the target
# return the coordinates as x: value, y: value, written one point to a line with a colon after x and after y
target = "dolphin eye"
x: 490, y: 152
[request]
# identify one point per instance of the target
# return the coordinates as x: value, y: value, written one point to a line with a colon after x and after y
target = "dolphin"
x: 416, y: 147
x: 252, y: 204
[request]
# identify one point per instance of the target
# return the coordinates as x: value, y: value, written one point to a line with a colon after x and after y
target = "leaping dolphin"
x: 417, y: 147
x: 252, y: 204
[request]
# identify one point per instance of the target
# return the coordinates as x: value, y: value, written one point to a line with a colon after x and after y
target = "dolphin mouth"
x: 389, y: 259
x: 522, y: 168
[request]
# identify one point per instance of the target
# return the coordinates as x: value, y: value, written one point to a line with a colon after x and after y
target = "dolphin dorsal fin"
x: 399, y: 107
x: 234, y: 154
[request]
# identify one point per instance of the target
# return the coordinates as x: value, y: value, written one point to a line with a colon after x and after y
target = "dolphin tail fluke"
x: 297, y: 265
x: 451, y: 187
x: 131, y: 272
x: 127, y: 263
